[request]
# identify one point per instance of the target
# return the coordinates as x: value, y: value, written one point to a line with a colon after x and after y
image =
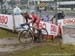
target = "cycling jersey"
x: 35, y: 19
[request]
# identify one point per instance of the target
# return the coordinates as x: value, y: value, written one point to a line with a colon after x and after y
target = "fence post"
x: 14, y: 29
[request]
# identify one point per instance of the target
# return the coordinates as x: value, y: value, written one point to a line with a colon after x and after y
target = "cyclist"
x: 26, y: 17
x: 35, y: 20
x: 35, y: 23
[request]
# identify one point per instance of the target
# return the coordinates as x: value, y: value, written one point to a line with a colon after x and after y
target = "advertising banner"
x: 6, y: 21
x: 69, y: 22
x: 18, y: 20
x: 51, y: 28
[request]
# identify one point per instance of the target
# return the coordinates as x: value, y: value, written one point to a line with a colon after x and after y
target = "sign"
x: 42, y: 25
x: 51, y: 28
x: 69, y: 21
x: 6, y: 21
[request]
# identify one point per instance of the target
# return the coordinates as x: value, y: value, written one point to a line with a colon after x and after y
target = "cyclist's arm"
x: 29, y: 17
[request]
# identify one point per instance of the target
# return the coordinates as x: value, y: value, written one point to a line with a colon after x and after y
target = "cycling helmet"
x: 23, y: 12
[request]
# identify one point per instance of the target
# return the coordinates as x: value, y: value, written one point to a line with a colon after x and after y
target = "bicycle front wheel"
x: 25, y: 37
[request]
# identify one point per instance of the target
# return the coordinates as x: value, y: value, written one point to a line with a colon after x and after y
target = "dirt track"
x: 12, y: 44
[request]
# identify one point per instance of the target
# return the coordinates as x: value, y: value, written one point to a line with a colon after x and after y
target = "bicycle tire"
x: 40, y: 36
x: 25, y: 37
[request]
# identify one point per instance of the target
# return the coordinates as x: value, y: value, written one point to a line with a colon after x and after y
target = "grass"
x: 6, y: 34
x: 47, y: 50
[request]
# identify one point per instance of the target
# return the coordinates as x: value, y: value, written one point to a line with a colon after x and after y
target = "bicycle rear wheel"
x: 41, y: 34
x: 25, y: 37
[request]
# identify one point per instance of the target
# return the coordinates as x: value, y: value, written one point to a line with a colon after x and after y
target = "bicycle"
x: 26, y: 36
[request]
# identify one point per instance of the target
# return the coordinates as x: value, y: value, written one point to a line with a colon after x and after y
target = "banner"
x: 18, y: 20
x: 6, y: 21
x: 51, y: 28
x: 69, y: 22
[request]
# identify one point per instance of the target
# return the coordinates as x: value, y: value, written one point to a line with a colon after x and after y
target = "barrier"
x: 67, y: 26
x: 6, y: 21
x: 51, y: 28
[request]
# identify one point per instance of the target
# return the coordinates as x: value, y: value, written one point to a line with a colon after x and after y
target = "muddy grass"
x: 35, y: 49
x: 43, y: 49
x: 7, y: 33
x: 13, y: 49
x: 9, y: 42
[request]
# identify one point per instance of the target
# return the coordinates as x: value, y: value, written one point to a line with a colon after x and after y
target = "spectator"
x: 45, y: 18
x: 17, y: 10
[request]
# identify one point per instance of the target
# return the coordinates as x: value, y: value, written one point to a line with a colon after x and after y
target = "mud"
x: 13, y: 44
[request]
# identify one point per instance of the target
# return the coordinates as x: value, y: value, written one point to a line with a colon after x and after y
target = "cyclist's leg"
x: 34, y: 31
x: 38, y: 34
x: 22, y: 25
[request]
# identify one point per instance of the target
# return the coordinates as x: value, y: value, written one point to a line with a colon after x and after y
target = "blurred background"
x: 41, y: 7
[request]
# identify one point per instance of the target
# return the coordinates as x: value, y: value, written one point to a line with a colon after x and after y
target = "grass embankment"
x: 7, y: 34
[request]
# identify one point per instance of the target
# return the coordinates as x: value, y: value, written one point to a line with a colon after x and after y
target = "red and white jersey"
x: 35, y: 17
